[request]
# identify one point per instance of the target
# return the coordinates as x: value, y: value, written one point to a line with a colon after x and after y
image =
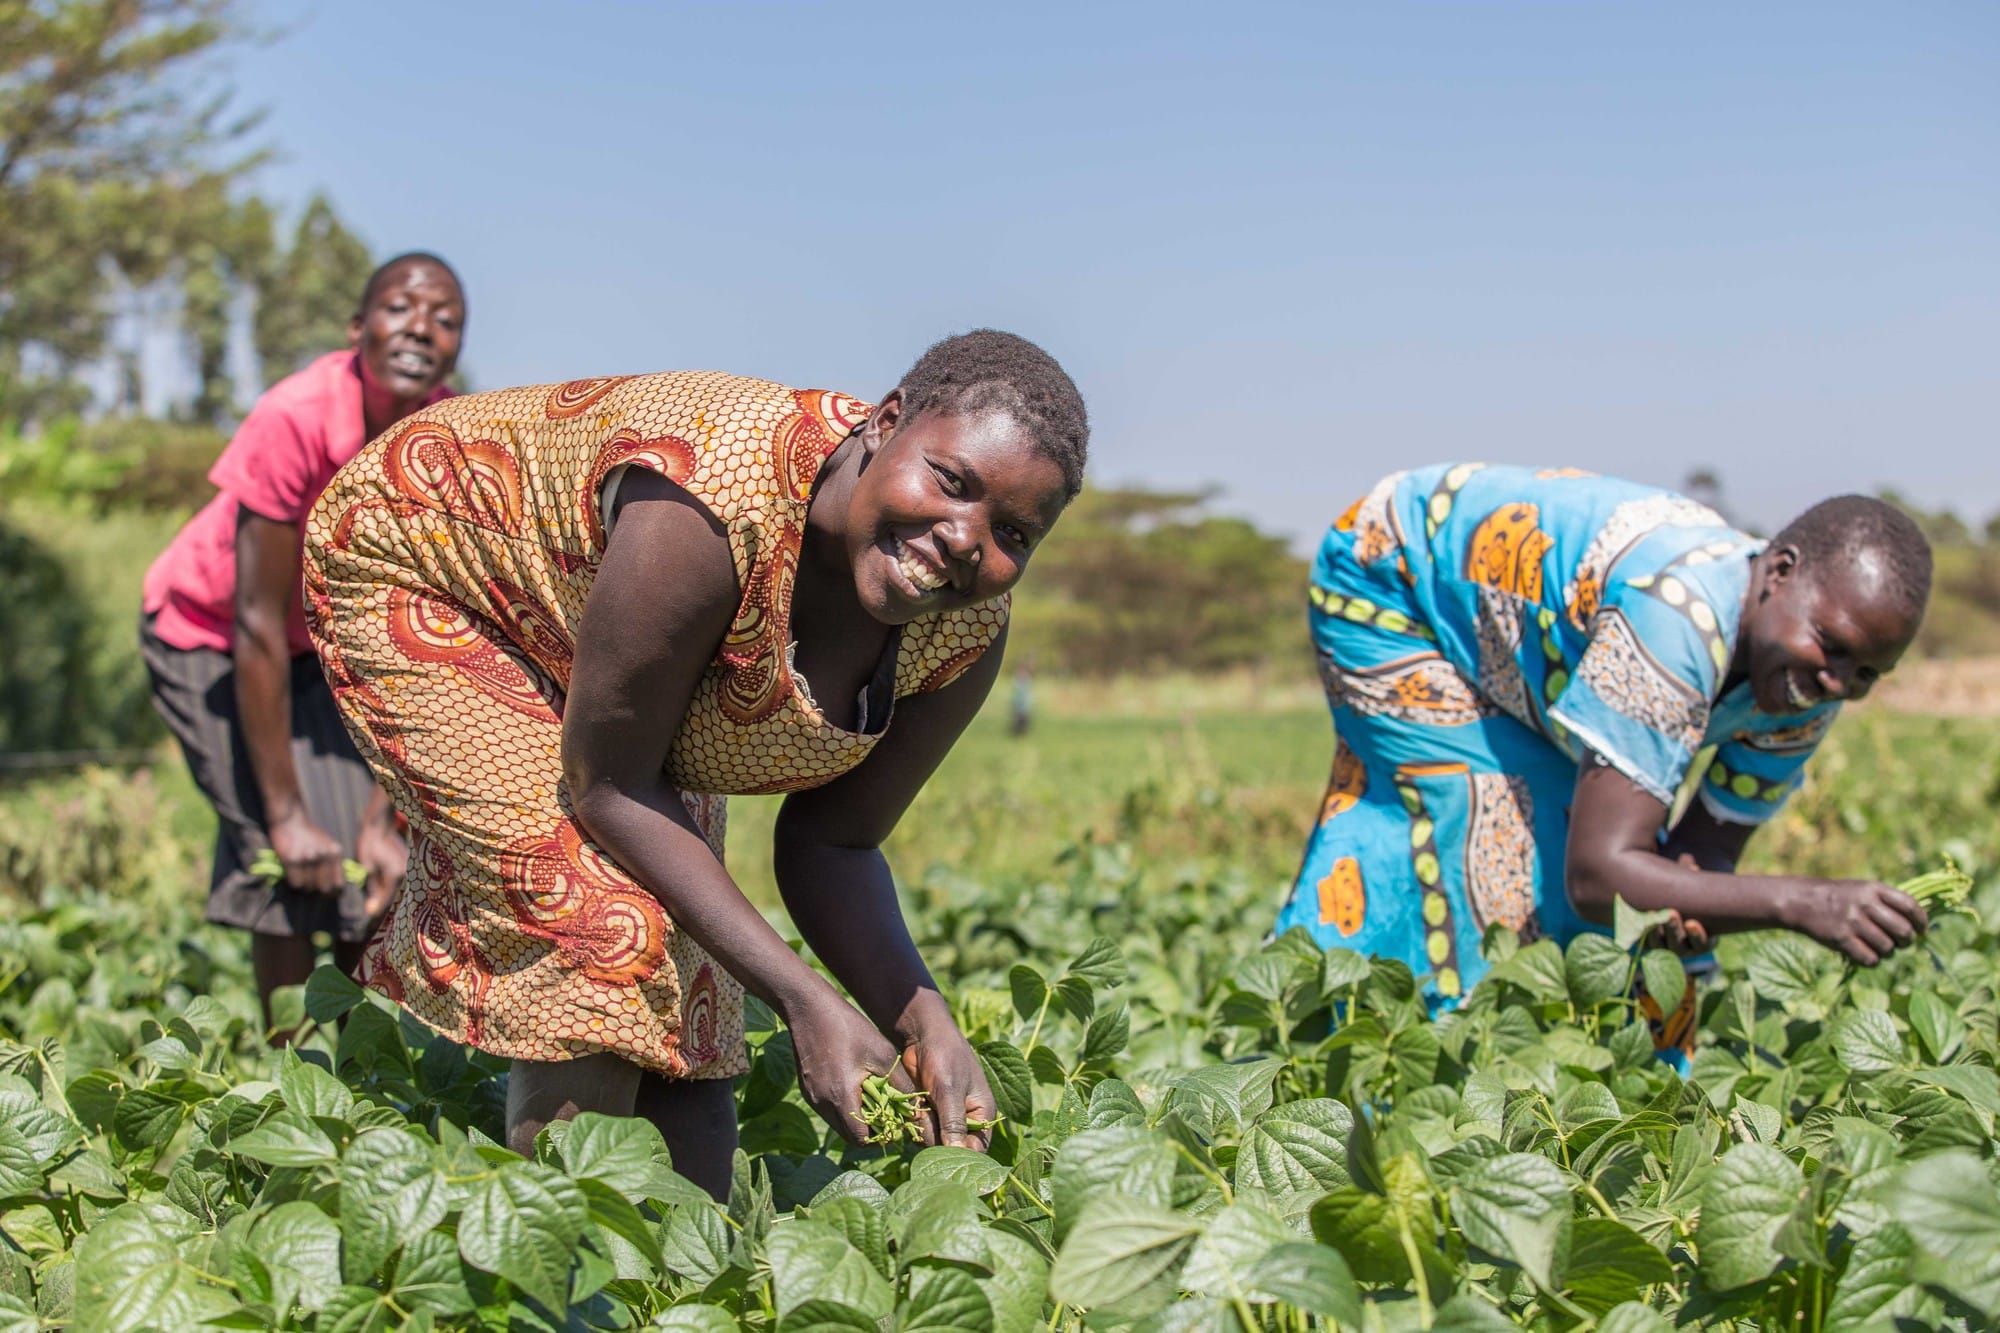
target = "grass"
x: 1201, y: 783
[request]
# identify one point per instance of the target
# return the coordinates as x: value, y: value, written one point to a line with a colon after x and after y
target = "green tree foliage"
x: 109, y: 166
x: 1964, y: 615
x: 1137, y: 580
x: 303, y: 308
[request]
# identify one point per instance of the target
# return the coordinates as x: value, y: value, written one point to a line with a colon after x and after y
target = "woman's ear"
x: 1781, y: 564
x: 882, y: 422
x: 354, y: 330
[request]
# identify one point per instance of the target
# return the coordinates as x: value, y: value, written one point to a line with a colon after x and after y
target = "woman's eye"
x: 948, y: 479
x: 1015, y: 536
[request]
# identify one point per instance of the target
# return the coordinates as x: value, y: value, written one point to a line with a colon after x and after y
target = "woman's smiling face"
x: 1827, y: 633
x: 946, y: 510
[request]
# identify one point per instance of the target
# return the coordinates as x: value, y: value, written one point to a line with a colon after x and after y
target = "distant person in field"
x: 564, y: 621
x: 1526, y: 668
x: 1021, y: 703
x: 225, y: 644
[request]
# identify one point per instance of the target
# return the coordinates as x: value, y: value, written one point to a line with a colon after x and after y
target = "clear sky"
x: 1282, y: 248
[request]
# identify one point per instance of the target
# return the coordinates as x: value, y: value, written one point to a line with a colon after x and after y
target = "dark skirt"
x: 195, y: 691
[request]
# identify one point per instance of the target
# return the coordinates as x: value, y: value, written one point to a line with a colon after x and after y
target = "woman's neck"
x: 381, y: 409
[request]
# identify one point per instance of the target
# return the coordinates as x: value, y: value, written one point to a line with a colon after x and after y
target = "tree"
x: 108, y: 163
x: 308, y: 295
x: 1147, y: 580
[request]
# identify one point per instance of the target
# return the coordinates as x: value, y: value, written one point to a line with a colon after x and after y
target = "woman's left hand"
x: 946, y: 1070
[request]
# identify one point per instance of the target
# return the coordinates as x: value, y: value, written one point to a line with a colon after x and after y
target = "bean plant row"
x: 1198, y: 1129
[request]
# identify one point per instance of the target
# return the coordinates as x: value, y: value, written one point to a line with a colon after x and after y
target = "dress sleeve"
x: 1756, y: 770
x: 270, y: 465
x: 950, y: 642
x: 1639, y: 695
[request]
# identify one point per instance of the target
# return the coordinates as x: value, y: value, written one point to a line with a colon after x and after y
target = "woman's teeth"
x: 920, y: 574
x: 1796, y: 695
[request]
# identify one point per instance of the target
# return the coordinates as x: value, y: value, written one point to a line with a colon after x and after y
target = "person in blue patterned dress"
x: 1525, y: 668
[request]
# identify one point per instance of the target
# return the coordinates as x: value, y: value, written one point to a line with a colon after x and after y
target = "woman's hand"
x: 943, y: 1066
x: 1863, y: 919
x: 310, y: 855
x: 386, y: 856
x: 837, y: 1047
x: 1683, y: 935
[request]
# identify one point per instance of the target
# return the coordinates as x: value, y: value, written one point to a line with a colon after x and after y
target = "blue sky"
x: 1282, y: 248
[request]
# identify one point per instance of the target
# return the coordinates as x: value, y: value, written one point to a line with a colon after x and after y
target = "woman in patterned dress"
x: 563, y: 621
x: 1526, y: 667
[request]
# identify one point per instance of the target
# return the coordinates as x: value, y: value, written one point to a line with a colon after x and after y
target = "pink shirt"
x: 283, y: 455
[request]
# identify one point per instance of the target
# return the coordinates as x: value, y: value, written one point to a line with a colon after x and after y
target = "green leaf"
x: 1538, y: 970
x: 1949, y: 1206
x: 1212, y: 1097
x: 1753, y: 1211
x: 1936, y: 1024
x: 1865, y: 1040
x: 854, y: 1185
x: 1122, y: 1256
x: 390, y: 1191
x: 331, y: 993
x: 1237, y: 1237
x: 298, y: 1240
x: 1784, y: 967
x: 1977, y: 1084
x: 1299, y: 1146
x: 698, y: 1319
x: 944, y: 1223
x: 17, y: 1316
x: 1101, y: 963
x: 826, y: 1317
x: 146, y: 1118
x: 1012, y: 1082
x: 1308, y: 1277
x: 522, y: 1224
x: 1629, y: 925
x: 625, y: 1152
x: 1877, y: 1278
x: 1106, y: 1035
x: 1029, y: 989
x: 864, y: 1227
x: 1019, y: 1286
x: 812, y: 1261
x: 1595, y: 970
x: 20, y: 1172
x: 1632, y: 1317
x: 430, y: 1276
x: 130, y: 1275
x: 1466, y: 1313
x: 286, y: 1139
x: 618, y: 1215
x: 1517, y: 1207
x: 1113, y: 1102
x: 1609, y: 1263
x: 1341, y: 970
x: 310, y: 1090
x: 44, y: 1133
x: 975, y: 1170
x: 1666, y: 978
x: 357, y: 1310
x: 1125, y: 1160
x: 945, y: 1300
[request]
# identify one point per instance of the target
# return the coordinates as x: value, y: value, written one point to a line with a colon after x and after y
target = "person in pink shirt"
x: 223, y: 633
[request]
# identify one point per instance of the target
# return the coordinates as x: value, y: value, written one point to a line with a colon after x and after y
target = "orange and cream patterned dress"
x: 446, y: 571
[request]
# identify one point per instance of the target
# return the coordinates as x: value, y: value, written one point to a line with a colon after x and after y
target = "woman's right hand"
x: 837, y: 1047
x: 1863, y: 919
x: 310, y: 855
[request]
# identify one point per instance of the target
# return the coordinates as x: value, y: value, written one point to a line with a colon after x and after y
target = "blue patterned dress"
x: 1478, y: 628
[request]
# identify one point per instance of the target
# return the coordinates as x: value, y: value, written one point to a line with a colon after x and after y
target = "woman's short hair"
x: 990, y: 371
